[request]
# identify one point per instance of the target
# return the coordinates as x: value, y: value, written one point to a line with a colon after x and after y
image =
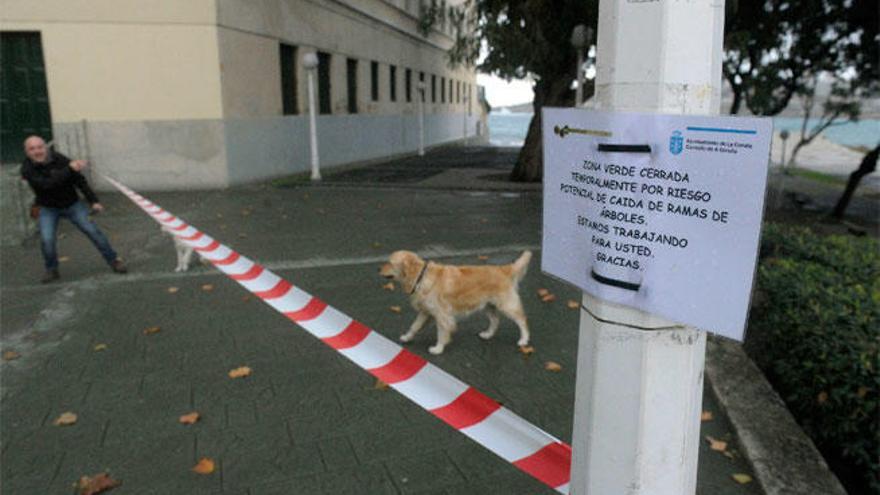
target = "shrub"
x: 814, y: 331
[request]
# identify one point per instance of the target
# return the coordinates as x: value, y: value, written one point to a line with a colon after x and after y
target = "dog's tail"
x: 521, y: 265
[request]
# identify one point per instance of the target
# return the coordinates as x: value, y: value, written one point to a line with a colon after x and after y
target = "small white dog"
x: 184, y: 252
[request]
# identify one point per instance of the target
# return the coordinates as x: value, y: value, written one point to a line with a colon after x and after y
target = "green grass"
x: 818, y: 176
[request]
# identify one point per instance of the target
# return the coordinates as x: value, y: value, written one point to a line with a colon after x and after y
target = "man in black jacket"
x: 55, y: 179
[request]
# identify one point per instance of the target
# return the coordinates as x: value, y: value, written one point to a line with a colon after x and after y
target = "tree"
x: 868, y: 166
x: 521, y: 38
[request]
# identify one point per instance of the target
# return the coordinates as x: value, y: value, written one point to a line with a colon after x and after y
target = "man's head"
x: 35, y: 149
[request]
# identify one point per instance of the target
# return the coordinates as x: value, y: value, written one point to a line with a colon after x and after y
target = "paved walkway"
x: 306, y: 421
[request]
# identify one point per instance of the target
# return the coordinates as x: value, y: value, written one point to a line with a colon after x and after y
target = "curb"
x: 784, y: 459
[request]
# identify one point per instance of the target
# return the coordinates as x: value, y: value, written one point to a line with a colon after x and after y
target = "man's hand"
x: 78, y: 165
x: 97, y: 208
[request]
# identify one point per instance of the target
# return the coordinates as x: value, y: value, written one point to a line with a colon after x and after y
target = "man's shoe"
x: 50, y: 276
x: 118, y: 266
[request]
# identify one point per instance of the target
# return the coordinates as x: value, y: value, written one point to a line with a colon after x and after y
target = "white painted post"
x: 421, y: 109
x: 639, y: 378
x: 310, y: 62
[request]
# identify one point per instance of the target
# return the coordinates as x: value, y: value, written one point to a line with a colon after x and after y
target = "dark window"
x: 470, y: 97
x: 442, y: 90
x: 287, y: 55
x: 392, y: 73
x: 408, y: 82
x: 24, y: 96
x: 458, y: 91
x: 374, y: 80
x: 433, y: 88
x: 324, y: 105
x: 351, y: 66
x: 450, y: 91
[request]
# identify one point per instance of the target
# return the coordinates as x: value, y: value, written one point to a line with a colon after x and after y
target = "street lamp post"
x: 310, y: 63
x: 421, y: 104
x: 580, y: 37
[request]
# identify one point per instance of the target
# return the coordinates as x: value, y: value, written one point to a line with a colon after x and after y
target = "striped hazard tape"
x: 460, y: 406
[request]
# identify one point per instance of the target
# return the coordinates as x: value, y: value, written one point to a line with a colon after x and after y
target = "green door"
x: 24, y: 97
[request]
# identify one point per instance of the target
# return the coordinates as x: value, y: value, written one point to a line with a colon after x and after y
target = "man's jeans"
x: 78, y: 214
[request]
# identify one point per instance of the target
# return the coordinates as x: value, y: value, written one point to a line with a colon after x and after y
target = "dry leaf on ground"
x: 543, y: 292
x: 66, y: 419
x: 207, y: 287
x: 152, y: 330
x: 205, y: 466
x: 394, y: 309
x: 526, y: 349
x: 240, y: 372
x: 190, y: 418
x: 380, y: 385
x: 862, y: 392
x: 63, y: 259
x: 572, y: 304
x: 246, y: 298
x: 548, y: 298
x: 172, y: 290
x: 482, y: 257
x: 706, y: 416
x: 741, y: 478
x: 822, y: 397
x: 715, y: 444
x: 553, y: 366
x: 377, y: 245
x: 100, y: 347
x: 484, y: 220
x: 388, y: 286
x: 98, y: 483
x: 10, y: 355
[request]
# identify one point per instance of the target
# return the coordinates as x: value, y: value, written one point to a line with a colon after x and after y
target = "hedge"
x: 814, y: 329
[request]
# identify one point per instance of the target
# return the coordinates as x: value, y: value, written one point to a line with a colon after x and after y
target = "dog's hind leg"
x: 445, y: 329
x: 488, y: 333
x: 513, y: 309
x: 417, y: 325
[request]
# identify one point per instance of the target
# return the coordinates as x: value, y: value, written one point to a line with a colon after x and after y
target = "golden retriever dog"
x: 447, y: 292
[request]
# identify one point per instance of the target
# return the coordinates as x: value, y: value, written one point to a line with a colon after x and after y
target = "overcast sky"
x: 501, y: 93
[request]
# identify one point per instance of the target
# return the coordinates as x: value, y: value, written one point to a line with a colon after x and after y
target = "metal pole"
x: 421, y: 110
x: 639, y: 379
x: 310, y: 61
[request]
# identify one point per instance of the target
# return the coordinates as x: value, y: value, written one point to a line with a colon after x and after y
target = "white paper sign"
x: 673, y: 231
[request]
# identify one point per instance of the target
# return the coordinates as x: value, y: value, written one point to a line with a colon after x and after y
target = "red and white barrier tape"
x: 462, y: 407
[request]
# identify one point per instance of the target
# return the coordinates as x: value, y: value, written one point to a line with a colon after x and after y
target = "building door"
x: 24, y: 96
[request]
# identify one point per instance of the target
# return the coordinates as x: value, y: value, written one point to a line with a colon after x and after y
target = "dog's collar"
x: 419, y: 278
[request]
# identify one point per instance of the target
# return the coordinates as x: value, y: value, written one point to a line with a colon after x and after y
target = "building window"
x: 469, y: 94
x: 392, y: 85
x: 450, y: 91
x: 458, y: 91
x: 324, y: 105
x: 374, y: 80
x: 351, y: 66
x: 433, y: 88
x: 408, y: 83
x: 442, y: 90
x: 287, y: 57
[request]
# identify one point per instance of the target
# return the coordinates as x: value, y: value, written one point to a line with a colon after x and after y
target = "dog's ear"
x: 411, y: 267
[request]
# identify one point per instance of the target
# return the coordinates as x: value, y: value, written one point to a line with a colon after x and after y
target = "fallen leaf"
x: 548, y: 298
x: 172, y: 290
x: 741, y: 478
x: 394, y: 309
x: 284, y: 217
x: 246, y: 298
x: 482, y: 257
x: 706, y: 416
x: 380, y: 385
x: 152, y: 330
x: 10, y: 355
x: 98, y: 483
x: 205, y: 466
x: 543, y: 292
x: 715, y: 444
x: 64, y: 259
x: 388, y: 286
x: 240, y: 372
x: 526, y: 350
x: 207, y: 287
x: 242, y: 235
x: 100, y: 347
x: 484, y: 220
x: 66, y: 419
x: 553, y: 366
x: 377, y: 245
x: 822, y: 397
x: 219, y: 215
x: 572, y: 304
x: 190, y: 418
x: 862, y: 392
x: 321, y: 211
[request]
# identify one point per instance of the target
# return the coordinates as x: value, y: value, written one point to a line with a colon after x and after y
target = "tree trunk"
x: 549, y: 91
x: 868, y: 165
x: 737, y: 101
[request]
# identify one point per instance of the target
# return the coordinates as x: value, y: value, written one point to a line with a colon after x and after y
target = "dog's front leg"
x: 445, y: 329
x: 417, y: 325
